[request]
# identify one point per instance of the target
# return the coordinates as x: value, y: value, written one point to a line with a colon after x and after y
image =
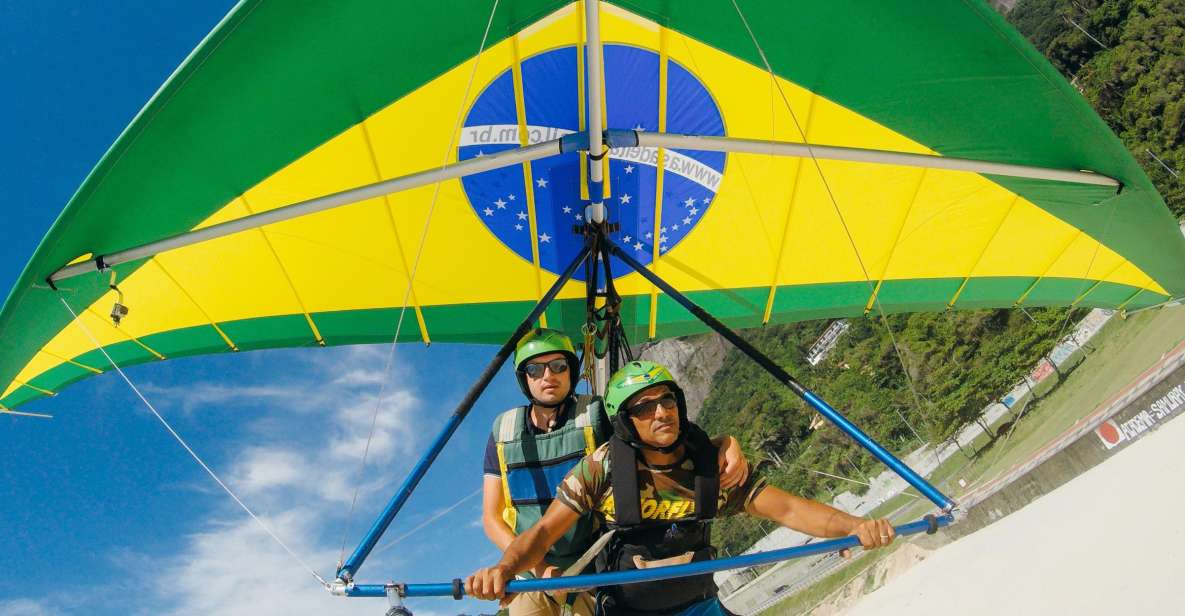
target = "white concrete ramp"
x: 1111, y: 541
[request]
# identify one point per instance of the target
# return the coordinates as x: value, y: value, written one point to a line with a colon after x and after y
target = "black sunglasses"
x: 535, y: 370
x: 647, y: 408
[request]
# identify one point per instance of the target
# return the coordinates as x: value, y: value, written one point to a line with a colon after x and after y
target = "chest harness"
x: 643, y: 539
x: 532, y: 465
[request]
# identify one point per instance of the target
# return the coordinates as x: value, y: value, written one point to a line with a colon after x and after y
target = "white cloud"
x: 24, y: 607
x: 197, y: 396
x: 360, y: 377
x: 262, y: 469
x: 300, y: 474
x: 234, y: 568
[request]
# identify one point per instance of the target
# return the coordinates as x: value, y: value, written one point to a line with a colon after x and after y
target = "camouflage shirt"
x: 667, y: 493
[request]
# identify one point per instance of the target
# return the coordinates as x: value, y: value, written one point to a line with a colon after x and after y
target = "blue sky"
x: 101, y: 512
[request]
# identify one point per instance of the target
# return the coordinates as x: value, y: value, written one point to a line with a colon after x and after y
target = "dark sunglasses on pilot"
x: 647, y: 408
x: 535, y: 370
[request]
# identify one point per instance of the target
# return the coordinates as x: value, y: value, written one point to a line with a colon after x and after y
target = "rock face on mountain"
x: 693, y: 361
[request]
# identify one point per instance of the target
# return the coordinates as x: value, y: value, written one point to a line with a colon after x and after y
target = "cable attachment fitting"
x: 395, y: 594
x: 602, y: 155
x: 339, y: 587
x: 119, y: 310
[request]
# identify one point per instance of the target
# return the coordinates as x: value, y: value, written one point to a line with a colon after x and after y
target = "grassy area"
x: 1123, y: 350
x: 1116, y: 356
x: 809, y: 597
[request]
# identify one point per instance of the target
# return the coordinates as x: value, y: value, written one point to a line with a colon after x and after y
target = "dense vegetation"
x: 958, y: 362
x: 1133, y: 72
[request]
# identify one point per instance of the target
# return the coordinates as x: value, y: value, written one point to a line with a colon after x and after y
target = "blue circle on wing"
x: 500, y: 198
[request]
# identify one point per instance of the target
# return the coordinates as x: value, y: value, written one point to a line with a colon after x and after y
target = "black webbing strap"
x: 627, y: 502
x: 707, y: 472
x: 933, y: 524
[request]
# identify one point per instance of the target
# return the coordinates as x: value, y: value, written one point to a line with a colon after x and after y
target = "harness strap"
x: 509, y: 513
x: 707, y: 473
x: 593, y: 550
x: 627, y: 503
x: 623, y: 478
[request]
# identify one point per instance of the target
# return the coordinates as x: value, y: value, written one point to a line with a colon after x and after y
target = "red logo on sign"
x: 1109, y: 433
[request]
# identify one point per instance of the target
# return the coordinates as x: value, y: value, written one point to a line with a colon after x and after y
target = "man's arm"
x: 497, y: 530
x: 492, y: 505
x: 819, y: 520
x: 524, y: 552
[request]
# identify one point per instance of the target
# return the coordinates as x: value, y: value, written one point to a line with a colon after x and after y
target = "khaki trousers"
x: 542, y: 604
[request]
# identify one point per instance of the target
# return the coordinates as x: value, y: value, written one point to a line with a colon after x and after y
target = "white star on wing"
x: 522, y: 215
x: 676, y: 227
x: 488, y: 212
x: 693, y: 211
x: 545, y: 238
x: 542, y: 182
x: 511, y: 197
x: 518, y: 227
x: 629, y: 168
x: 567, y: 210
x: 579, y: 217
x: 687, y: 220
x: 689, y: 202
x: 638, y: 246
x: 501, y: 204
x: 625, y: 198
x: 705, y: 200
x: 627, y: 239
x: 649, y: 235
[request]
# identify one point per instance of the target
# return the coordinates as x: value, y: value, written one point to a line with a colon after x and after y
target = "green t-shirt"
x: 667, y: 493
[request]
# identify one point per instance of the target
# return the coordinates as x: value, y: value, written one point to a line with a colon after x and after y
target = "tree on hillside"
x: 1134, y: 79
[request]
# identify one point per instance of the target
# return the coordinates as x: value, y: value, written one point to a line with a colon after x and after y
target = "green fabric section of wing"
x: 275, y: 80
x: 271, y: 82
x: 957, y: 78
x: 739, y: 308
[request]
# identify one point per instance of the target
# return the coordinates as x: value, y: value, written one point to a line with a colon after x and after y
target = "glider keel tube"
x: 350, y: 567
x: 569, y: 143
x: 829, y: 152
x: 928, y: 524
x: 596, y: 75
x: 820, y: 405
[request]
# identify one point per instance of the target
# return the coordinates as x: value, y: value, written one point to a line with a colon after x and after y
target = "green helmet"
x: 626, y: 383
x: 538, y: 342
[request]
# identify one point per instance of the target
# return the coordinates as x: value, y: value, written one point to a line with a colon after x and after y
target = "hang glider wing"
x: 284, y: 103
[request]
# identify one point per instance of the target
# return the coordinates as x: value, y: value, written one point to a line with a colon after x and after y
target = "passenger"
x: 530, y: 450
x: 660, y: 512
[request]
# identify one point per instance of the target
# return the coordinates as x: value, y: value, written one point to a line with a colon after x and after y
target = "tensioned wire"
x: 411, y: 279
x: 855, y: 249
x: 847, y: 231
x: 436, y: 516
x: 386, y: 371
x: 1061, y: 331
x: 186, y: 446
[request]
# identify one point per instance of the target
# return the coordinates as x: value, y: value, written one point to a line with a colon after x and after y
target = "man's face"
x: 550, y: 388
x: 655, y: 413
